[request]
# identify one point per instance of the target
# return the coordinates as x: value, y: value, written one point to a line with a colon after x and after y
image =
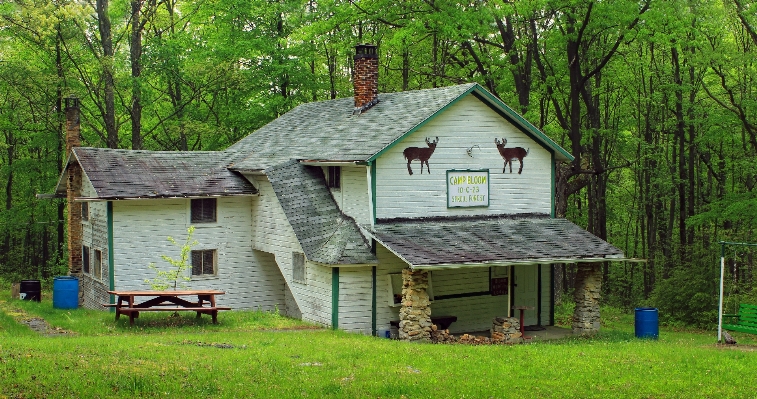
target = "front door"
x: 525, y: 291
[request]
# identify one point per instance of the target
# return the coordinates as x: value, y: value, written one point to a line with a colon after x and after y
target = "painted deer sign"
x: 508, y: 154
x: 421, y: 154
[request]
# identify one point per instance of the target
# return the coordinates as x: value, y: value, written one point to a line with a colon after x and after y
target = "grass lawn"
x: 262, y: 355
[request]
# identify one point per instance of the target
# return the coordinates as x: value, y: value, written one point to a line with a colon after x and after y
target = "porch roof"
x: 503, y: 240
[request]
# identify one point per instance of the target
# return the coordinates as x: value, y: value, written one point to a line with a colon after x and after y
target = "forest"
x: 655, y: 99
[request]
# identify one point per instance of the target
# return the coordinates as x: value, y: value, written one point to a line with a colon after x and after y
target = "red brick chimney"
x: 365, y: 77
x: 73, y: 188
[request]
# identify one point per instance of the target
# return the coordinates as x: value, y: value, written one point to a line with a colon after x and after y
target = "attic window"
x: 84, y: 211
x: 335, y: 177
x: 203, y: 210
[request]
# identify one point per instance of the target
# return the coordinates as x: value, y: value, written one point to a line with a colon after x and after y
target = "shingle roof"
x: 119, y: 174
x: 327, y: 130
x: 326, y: 235
x: 456, y: 242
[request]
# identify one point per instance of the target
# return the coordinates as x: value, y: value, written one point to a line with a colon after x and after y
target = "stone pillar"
x: 415, y: 314
x: 587, y: 294
x: 73, y: 188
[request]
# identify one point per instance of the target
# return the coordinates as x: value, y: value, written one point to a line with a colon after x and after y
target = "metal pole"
x: 720, y: 303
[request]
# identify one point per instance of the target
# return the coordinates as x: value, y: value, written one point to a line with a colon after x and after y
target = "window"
x: 203, y: 262
x: 203, y: 210
x: 85, y: 211
x: 98, y: 264
x: 335, y: 176
x: 85, y: 258
x: 298, y: 267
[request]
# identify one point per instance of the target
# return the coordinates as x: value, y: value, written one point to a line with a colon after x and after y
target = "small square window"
x: 85, y: 258
x: 85, y: 211
x: 335, y: 177
x: 298, y: 267
x: 203, y: 210
x: 203, y: 262
x: 98, y: 264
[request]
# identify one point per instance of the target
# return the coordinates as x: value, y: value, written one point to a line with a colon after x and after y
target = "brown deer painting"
x: 508, y: 154
x: 421, y: 154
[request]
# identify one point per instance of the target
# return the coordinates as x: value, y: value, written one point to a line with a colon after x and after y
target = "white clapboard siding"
x: 474, y: 313
x: 94, y: 236
x: 140, y: 231
x: 353, y: 198
x: 387, y: 263
x: 272, y: 233
x: 355, y: 293
x: 465, y: 124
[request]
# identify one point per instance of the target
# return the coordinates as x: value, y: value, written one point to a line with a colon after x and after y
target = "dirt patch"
x: 737, y: 347
x: 41, y: 326
x: 37, y: 324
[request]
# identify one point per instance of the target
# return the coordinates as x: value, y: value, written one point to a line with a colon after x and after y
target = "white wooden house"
x: 317, y: 213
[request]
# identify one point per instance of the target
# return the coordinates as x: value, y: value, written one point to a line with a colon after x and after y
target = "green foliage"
x: 174, y: 277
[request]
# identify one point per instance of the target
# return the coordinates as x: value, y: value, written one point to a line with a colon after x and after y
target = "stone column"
x: 415, y: 314
x: 587, y: 294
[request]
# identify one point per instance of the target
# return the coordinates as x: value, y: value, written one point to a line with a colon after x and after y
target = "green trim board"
x: 335, y: 298
x: 553, y: 188
x: 111, y: 260
x: 468, y: 187
x: 513, y: 117
x: 372, y: 165
x: 373, y: 301
x: 420, y: 125
x: 500, y: 108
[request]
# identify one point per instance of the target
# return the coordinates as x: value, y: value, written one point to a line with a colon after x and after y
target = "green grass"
x: 263, y: 355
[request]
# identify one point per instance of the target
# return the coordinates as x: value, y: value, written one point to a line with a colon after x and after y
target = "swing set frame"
x: 722, y: 276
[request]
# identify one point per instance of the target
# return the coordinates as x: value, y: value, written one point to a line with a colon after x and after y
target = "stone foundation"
x: 415, y: 314
x: 587, y: 294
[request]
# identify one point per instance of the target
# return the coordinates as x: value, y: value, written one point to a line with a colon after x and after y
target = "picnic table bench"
x: 744, y: 321
x: 166, y: 301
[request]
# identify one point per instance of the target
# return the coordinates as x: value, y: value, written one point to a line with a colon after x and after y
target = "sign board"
x: 499, y: 286
x: 467, y: 188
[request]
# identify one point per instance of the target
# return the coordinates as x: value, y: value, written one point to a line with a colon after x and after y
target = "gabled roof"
x: 328, y: 130
x: 122, y: 174
x: 438, y: 243
x: 326, y: 235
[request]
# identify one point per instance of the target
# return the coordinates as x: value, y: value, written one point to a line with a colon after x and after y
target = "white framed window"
x: 204, y: 262
x: 299, y: 274
x: 203, y: 210
x: 85, y: 211
x: 98, y: 266
x: 85, y: 258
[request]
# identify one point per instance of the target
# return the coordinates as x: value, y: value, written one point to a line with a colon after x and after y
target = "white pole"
x: 720, y: 305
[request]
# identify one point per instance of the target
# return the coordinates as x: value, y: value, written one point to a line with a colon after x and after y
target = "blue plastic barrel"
x: 646, y: 323
x: 65, y: 292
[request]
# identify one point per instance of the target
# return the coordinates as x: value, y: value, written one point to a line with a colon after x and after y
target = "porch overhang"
x: 486, y: 241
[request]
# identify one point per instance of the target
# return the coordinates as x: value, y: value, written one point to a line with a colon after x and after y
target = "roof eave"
x: 525, y: 262
x: 482, y: 94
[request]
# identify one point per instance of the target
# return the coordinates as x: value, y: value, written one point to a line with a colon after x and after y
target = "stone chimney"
x: 73, y: 188
x: 365, y: 77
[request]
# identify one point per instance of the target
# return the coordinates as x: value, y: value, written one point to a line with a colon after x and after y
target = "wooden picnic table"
x: 166, y: 301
